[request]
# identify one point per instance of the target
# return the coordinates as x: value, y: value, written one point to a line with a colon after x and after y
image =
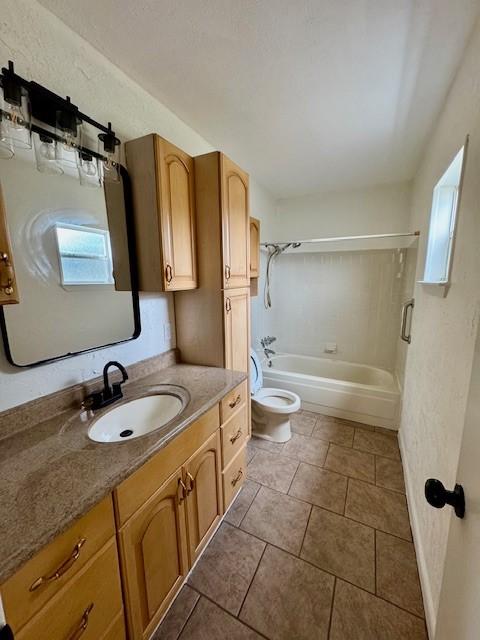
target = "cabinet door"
x: 154, y: 557
x: 254, y: 248
x: 8, y: 283
x: 177, y: 213
x: 203, y: 478
x: 235, y: 225
x: 237, y: 334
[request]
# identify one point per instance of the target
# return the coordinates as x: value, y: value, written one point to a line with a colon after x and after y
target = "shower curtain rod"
x: 340, y: 238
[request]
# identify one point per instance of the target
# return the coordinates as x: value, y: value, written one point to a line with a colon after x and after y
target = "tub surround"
x: 51, y: 473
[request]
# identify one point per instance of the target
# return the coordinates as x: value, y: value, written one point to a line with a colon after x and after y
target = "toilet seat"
x: 277, y: 400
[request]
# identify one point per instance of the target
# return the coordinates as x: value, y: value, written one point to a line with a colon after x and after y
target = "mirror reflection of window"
x: 85, y: 255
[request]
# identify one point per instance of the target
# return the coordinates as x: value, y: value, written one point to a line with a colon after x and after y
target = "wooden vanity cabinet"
x: 212, y: 323
x: 163, y: 181
x: 254, y: 248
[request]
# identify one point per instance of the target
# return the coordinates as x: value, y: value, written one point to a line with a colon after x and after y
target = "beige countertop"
x: 51, y: 473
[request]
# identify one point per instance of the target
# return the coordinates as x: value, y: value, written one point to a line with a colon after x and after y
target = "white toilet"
x: 271, y: 408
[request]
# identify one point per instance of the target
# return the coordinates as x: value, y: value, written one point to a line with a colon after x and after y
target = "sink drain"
x: 125, y: 433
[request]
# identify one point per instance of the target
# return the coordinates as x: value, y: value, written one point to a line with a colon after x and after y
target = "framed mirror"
x: 73, y: 248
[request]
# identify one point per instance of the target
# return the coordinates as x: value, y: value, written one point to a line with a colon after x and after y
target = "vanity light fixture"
x: 59, y: 127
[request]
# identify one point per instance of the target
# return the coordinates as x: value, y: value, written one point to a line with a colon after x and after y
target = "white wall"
x: 44, y: 49
x: 440, y: 356
x: 381, y: 209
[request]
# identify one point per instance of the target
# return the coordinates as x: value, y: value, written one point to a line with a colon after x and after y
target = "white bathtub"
x: 337, y: 388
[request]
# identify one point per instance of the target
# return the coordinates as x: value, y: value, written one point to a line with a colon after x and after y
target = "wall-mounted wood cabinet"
x: 254, y: 248
x: 164, y: 211
x: 212, y: 323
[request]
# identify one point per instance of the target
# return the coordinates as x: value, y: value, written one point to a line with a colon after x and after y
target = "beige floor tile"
x: 357, y: 615
x: 357, y: 425
x: 251, y: 451
x: 273, y: 470
x: 227, y: 566
x: 306, y: 449
x: 266, y: 445
x: 332, y: 431
x: 320, y: 487
x: 242, y: 502
x: 302, y: 423
x: 341, y: 546
x: 379, y: 508
x: 389, y: 474
x: 350, y: 462
x: 393, y: 433
x: 377, y: 443
x: 209, y: 622
x: 278, y: 519
x: 289, y: 599
x: 397, y: 575
x: 177, y: 615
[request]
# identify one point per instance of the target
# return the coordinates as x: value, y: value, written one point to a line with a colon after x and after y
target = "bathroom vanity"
x: 97, y: 539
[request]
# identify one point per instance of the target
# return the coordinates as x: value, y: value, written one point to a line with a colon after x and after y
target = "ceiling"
x: 307, y: 95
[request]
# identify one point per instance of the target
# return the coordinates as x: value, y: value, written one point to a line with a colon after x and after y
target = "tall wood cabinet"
x: 213, y: 322
x: 164, y: 211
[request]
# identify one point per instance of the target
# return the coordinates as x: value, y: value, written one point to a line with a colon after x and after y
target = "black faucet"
x: 108, y: 394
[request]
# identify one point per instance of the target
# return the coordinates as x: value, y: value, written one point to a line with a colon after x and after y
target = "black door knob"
x: 438, y: 496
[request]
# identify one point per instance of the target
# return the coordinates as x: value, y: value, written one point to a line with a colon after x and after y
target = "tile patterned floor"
x: 316, y: 546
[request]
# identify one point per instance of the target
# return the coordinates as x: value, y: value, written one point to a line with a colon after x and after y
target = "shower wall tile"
x: 350, y: 298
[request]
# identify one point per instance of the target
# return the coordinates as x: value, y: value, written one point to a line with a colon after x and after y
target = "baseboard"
x: 430, y: 617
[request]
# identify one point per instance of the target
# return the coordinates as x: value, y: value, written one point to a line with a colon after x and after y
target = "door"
x: 235, y: 225
x: 177, y: 198
x: 202, y: 476
x: 153, y: 554
x: 8, y: 284
x: 459, y: 610
x: 237, y: 334
x: 254, y: 248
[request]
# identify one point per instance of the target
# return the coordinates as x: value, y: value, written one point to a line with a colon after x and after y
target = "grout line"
x: 248, y: 509
x: 331, y: 607
x: 293, y: 478
x: 190, y: 614
x: 305, y: 532
x: 375, y: 559
x: 251, y: 581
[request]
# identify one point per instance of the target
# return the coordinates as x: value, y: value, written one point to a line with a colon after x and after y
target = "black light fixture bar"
x: 46, y: 103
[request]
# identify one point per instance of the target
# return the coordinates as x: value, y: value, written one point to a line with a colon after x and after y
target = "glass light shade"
x: 6, y: 145
x: 45, y: 155
x: 16, y: 122
x: 89, y: 170
x: 109, y: 148
x: 67, y: 128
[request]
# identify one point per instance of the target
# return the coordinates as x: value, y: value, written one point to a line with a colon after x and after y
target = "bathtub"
x: 337, y: 388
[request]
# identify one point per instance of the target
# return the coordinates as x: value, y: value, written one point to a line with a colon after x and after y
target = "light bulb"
x: 17, y: 119
x: 47, y: 150
x: 89, y: 168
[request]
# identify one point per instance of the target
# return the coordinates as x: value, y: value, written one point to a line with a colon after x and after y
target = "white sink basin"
x: 136, y: 418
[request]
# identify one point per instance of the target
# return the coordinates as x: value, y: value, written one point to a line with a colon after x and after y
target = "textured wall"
x: 43, y: 48
x: 440, y: 357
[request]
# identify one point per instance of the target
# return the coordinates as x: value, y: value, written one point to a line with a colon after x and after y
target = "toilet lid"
x: 256, y: 376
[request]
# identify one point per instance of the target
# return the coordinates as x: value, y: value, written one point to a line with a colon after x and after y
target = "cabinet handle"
x: 191, y: 482
x: 82, y: 627
x: 7, y: 278
x: 228, y: 305
x: 408, y: 305
x: 234, y: 403
x: 238, y: 477
x: 168, y: 273
x: 228, y: 272
x: 234, y: 438
x: 63, y: 568
x: 184, y: 494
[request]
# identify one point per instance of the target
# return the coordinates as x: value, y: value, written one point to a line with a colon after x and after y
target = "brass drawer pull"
x: 184, y: 493
x: 62, y: 569
x: 83, y: 623
x: 7, y: 279
x: 238, y: 477
x: 234, y: 403
x: 234, y: 438
x: 191, y: 482
x: 168, y: 273
x: 228, y: 272
x: 228, y: 305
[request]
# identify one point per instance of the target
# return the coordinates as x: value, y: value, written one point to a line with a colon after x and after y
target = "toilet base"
x: 272, y: 427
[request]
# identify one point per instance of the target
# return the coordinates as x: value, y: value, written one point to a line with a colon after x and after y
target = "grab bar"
x: 408, y: 305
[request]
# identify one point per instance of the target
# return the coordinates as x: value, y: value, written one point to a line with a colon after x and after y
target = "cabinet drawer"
x: 46, y: 573
x: 232, y: 401
x: 233, y: 477
x: 234, y: 432
x: 116, y: 630
x: 98, y: 584
x: 139, y: 487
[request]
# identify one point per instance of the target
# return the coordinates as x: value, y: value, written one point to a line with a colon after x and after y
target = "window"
x: 85, y: 255
x: 441, y: 233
